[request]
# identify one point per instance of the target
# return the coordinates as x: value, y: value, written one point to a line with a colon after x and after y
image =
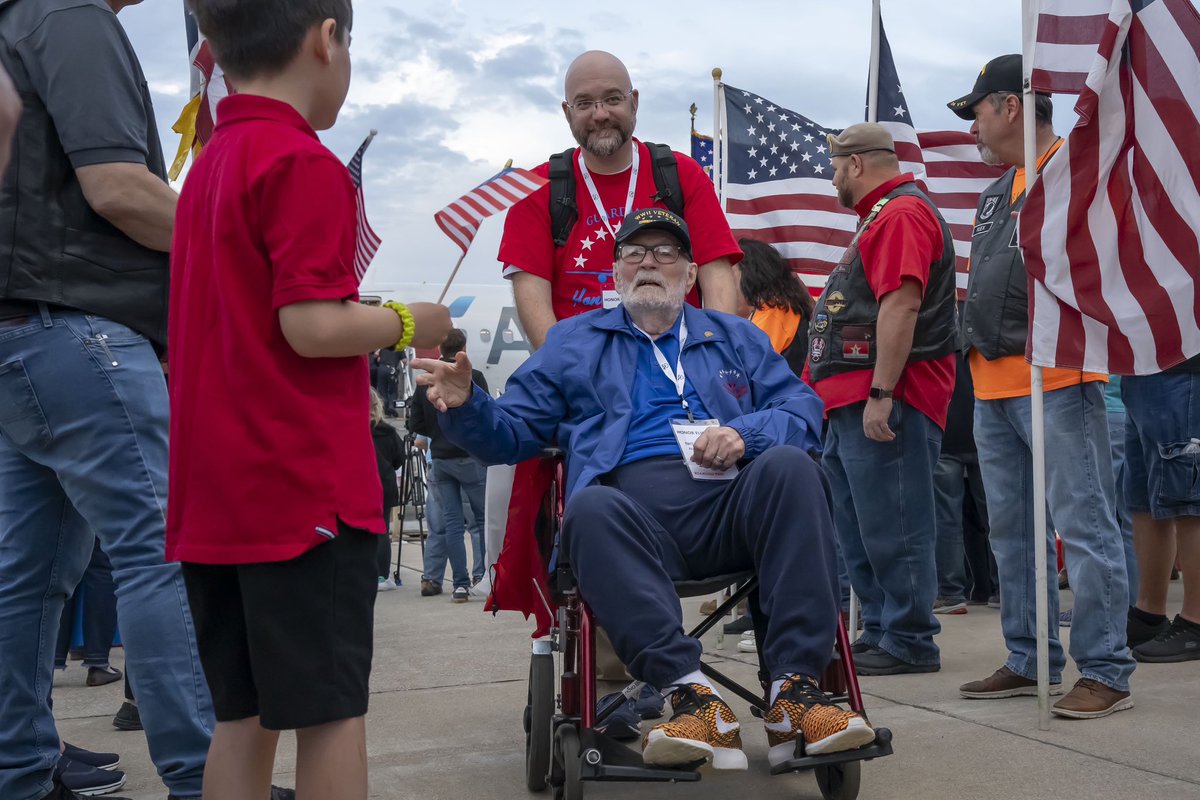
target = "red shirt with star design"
x: 580, y: 271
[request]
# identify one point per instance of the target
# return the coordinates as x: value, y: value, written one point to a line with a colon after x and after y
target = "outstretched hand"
x: 449, y: 384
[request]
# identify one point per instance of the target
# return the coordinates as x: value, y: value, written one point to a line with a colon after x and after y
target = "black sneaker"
x: 739, y: 625
x: 85, y: 780
x: 97, y: 760
x: 60, y: 792
x: 1139, y: 630
x: 879, y: 662
x: 102, y: 676
x: 128, y: 718
x: 461, y: 594
x: 1179, y: 642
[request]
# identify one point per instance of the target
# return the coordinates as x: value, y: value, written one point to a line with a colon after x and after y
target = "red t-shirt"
x: 581, y: 270
x: 268, y: 449
x: 901, y: 242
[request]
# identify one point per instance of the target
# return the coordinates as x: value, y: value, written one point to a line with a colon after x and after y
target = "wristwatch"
x: 877, y: 393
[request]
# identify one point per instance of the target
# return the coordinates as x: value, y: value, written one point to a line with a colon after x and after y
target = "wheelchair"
x: 563, y: 747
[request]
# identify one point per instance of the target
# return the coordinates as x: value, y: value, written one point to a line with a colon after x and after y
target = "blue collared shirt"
x: 656, y: 398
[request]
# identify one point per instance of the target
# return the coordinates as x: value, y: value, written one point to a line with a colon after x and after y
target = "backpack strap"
x: 666, y: 178
x: 563, y: 211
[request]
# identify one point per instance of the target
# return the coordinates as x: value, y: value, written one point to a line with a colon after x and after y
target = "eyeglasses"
x: 663, y: 253
x: 612, y: 101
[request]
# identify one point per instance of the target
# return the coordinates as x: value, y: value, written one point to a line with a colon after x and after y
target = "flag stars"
x: 771, y: 108
x: 899, y: 111
x: 762, y: 140
x: 794, y: 145
x: 771, y: 127
x: 808, y: 137
x: 806, y: 156
x: 772, y: 172
x: 753, y: 174
x: 818, y: 169
x: 747, y: 108
x: 792, y: 168
x: 774, y: 149
x: 762, y: 162
x: 758, y: 101
x: 751, y: 131
x: 821, y: 148
x: 759, y: 117
x: 753, y: 152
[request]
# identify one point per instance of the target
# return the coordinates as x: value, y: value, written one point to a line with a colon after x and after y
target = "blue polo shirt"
x: 654, y: 398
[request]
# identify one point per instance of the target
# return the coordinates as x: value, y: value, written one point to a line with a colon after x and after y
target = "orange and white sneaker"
x: 802, y: 708
x: 703, y: 728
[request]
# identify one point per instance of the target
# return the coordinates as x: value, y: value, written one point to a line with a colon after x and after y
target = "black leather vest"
x: 842, y: 332
x: 995, y: 318
x: 53, y: 246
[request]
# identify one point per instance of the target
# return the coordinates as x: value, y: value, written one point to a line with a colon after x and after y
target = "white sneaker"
x: 747, y: 643
x: 386, y: 585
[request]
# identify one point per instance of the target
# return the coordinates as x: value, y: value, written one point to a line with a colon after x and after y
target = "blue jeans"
x: 1079, y: 489
x: 883, y: 512
x: 98, y: 609
x: 456, y: 477
x: 1116, y: 438
x: 949, y: 488
x: 83, y: 428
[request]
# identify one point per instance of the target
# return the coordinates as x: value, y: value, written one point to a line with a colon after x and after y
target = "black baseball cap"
x: 648, y: 219
x: 1001, y: 74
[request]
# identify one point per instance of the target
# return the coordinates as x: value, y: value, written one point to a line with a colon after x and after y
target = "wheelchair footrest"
x: 882, y: 746
x: 605, y: 759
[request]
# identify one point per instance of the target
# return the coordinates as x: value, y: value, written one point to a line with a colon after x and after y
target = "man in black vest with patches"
x: 1079, y: 475
x: 881, y: 356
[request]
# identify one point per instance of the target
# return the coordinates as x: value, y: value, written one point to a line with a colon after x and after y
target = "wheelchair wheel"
x: 566, y: 751
x: 539, y: 714
x: 839, y: 781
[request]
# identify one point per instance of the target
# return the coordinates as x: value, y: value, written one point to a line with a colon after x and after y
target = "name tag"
x: 686, y: 434
x: 612, y: 298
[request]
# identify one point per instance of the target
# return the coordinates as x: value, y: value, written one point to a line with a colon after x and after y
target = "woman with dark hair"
x: 780, y: 303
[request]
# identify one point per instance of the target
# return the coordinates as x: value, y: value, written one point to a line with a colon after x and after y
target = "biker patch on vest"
x: 989, y: 207
x: 1013, y: 242
x: 817, y: 350
x: 856, y: 342
x: 835, y: 302
x: 981, y: 229
x: 821, y: 323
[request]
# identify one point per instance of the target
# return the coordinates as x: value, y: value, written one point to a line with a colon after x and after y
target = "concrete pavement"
x: 448, y: 688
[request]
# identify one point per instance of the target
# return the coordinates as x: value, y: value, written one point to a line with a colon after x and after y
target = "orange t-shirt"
x: 1008, y: 376
x: 780, y: 324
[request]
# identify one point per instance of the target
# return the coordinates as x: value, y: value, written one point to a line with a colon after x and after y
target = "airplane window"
x: 507, y: 336
x: 485, y: 335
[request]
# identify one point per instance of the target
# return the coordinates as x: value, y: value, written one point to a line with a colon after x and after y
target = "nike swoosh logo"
x: 780, y: 727
x: 724, y: 727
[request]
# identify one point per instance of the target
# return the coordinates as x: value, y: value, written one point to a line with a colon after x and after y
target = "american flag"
x: 1066, y: 38
x: 460, y: 220
x: 1109, y: 232
x: 702, y: 151
x: 209, y: 87
x: 947, y: 163
x: 366, y: 241
x: 779, y: 172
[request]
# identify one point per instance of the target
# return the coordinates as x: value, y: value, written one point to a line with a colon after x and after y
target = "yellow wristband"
x: 407, y: 321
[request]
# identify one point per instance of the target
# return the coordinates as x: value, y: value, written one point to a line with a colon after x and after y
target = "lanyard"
x: 676, y: 377
x: 591, y: 185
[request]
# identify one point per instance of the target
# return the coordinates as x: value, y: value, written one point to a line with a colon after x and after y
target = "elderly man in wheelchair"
x: 689, y: 449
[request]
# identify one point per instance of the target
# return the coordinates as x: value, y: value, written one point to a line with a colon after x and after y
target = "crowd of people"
x: 706, y: 406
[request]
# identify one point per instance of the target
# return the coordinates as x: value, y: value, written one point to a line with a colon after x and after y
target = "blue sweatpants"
x: 650, y: 524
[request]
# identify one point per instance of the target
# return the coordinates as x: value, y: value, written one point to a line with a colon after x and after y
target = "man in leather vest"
x: 85, y: 225
x: 881, y: 356
x: 1079, y: 475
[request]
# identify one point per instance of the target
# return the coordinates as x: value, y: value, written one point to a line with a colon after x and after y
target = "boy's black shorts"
x: 289, y: 641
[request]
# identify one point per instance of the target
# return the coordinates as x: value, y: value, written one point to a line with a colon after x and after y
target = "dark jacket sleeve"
x: 479, y: 380
x: 422, y: 420
x: 397, y: 450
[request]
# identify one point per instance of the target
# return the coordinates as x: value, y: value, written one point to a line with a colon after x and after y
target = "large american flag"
x: 1109, y: 232
x: 779, y: 172
x: 366, y: 241
x: 1066, y: 38
x: 702, y: 151
x: 460, y: 220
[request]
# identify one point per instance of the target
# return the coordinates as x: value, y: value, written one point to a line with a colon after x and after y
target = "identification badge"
x: 686, y: 434
x: 612, y: 298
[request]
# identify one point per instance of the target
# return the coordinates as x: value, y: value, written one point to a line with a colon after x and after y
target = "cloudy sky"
x: 456, y: 87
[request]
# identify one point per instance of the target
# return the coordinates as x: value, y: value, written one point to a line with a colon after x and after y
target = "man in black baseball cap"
x: 648, y: 219
x: 994, y: 327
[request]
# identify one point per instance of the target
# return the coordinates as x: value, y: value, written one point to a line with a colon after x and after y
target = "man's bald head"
x: 595, y: 65
x: 600, y: 104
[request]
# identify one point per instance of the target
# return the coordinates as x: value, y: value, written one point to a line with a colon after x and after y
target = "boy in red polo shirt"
x: 274, y: 494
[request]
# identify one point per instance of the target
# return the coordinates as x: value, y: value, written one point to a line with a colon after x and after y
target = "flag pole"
x: 873, y: 74
x: 1036, y: 396
x: 458, y: 263
x: 718, y: 136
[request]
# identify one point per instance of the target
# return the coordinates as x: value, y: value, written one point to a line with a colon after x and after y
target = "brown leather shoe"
x: 430, y: 588
x: 1090, y: 700
x: 1003, y: 683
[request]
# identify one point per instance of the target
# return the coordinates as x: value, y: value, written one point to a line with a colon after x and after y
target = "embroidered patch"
x: 817, y: 350
x: 734, y: 382
x: 835, y: 302
x: 990, y: 204
x: 857, y: 350
x: 821, y: 323
x: 981, y: 229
